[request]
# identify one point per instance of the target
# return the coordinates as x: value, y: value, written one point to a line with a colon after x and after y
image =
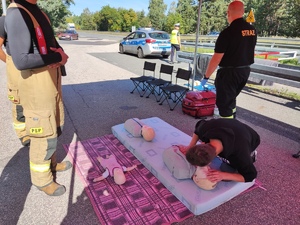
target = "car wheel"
x: 140, y: 53
x: 121, y: 49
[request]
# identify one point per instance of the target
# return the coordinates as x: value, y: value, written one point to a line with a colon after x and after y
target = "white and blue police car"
x: 146, y: 42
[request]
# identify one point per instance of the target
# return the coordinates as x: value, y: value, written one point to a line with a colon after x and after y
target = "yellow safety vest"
x: 174, y: 36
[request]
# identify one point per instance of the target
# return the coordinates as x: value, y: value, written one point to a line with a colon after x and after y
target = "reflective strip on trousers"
x: 19, y: 126
x: 227, y: 117
x: 40, y: 167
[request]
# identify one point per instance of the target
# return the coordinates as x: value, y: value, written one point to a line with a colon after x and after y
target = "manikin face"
x: 119, y: 176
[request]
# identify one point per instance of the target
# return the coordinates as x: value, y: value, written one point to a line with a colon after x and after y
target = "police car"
x: 146, y: 42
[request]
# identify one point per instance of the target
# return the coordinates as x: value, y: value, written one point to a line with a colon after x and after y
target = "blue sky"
x: 96, y: 5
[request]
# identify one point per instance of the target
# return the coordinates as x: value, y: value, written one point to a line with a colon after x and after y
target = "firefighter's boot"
x: 53, y: 189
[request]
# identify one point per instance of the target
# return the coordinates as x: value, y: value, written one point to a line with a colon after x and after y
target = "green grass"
x: 199, y: 50
x: 293, y: 62
x: 283, y: 92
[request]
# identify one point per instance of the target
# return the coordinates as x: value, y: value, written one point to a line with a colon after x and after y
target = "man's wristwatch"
x: 206, y: 78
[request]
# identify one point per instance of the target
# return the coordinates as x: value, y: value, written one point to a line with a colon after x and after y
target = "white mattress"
x: 198, y: 201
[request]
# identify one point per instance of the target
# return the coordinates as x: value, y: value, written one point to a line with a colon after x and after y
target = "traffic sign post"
x: 250, y: 18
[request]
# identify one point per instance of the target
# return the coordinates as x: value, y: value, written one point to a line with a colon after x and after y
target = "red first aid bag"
x: 199, y: 103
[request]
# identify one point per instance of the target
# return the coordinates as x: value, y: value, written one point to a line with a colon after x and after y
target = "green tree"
x: 156, y: 13
x: 290, y: 20
x: 87, y: 20
x: 267, y: 16
x: 188, y: 11
x: 67, y: 2
x: 105, y: 18
x: 143, y: 20
x: 172, y: 18
x: 128, y: 18
x: 56, y: 11
x: 213, y: 16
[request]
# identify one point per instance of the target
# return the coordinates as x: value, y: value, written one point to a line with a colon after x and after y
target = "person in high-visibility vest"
x: 175, y: 41
x: 40, y: 59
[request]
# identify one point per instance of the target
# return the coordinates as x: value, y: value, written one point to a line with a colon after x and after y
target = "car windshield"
x: 159, y: 35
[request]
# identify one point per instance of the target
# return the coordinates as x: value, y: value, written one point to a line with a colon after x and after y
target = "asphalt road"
x: 96, y: 97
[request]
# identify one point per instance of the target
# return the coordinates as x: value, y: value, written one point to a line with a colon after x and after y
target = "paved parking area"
x: 96, y: 97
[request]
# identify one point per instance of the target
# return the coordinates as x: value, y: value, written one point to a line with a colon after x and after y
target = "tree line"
x: 272, y: 18
x: 275, y: 18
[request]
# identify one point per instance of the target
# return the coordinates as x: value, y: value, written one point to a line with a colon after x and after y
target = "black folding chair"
x: 176, y: 92
x: 154, y: 85
x: 140, y: 82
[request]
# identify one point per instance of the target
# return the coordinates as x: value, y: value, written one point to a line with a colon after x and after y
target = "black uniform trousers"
x: 229, y: 83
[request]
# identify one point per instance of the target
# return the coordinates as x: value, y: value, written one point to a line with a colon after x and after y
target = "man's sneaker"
x: 254, y: 155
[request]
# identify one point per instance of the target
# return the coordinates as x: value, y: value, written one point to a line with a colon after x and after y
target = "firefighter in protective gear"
x: 39, y: 58
x: 13, y: 75
x: 175, y: 41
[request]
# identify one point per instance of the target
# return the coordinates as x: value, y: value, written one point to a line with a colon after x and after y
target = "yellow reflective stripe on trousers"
x: 227, y: 117
x: 19, y: 126
x: 234, y: 110
x: 40, y: 168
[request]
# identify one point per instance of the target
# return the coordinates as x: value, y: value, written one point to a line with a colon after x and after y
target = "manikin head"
x: 201, y: 180
x: 148, y: 133
x: 119, y: 176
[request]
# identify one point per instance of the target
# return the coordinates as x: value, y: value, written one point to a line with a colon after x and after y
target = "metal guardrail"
x: 285, y: 43
x: 287, y: 76
x: 187, y: 57
x: 209, y: 42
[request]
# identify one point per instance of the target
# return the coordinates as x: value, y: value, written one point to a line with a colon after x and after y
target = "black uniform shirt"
x: 22, y: 42
x: 238, y: 141
x: 237, y: 42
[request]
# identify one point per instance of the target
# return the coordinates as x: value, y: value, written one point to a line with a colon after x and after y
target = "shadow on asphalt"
x: 293, y: 104
x: 91, y: 110
x: 12, y: 178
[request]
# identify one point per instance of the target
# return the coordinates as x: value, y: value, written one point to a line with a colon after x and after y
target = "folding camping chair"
x: 154, y: 85
x: 140, y: 82
x: 176, y: 92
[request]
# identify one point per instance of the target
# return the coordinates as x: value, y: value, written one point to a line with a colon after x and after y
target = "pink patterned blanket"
x: 143, y: 199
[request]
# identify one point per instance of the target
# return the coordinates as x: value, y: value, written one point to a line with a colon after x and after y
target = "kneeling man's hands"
x: 214, y: 175
x: 183, y: 148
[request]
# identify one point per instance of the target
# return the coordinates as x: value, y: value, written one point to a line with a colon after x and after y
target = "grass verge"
x: 283, y: 92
